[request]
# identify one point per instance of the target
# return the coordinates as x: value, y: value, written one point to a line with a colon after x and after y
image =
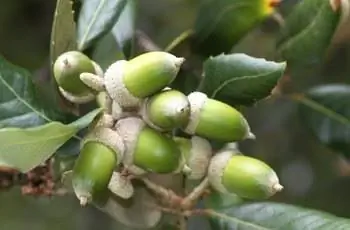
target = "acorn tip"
x: 186, y: 170
x: 83, y: 200
x: 179, y: 61
x: 277, y: 187
x: 251, y: 135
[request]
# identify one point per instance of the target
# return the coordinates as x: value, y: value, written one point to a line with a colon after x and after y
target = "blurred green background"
x: 313, y: 176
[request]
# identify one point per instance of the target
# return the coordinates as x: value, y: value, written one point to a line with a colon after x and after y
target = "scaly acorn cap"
x: 197, y: 152
x: 111, y: 107
x: 121, y: 186
x: 102, y: 120
x: 129, y: 81
x: 166, y: 110
x: 67, y: 69
x: 147, y: 150
x: 216, y: 120
x: 101, y: 151
x: 247, y: 177
x: 77, y: 99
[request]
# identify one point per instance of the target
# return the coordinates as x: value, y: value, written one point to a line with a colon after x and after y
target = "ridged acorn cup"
x: 197, y: 153
x: 102, y: 120
x: 101, y: 151
x: 231, y: 172
x: 121, y: 186
x: 166, y: 110
x: 67, y: 69
x: 129, y: 81
x: 216, y: 120
x: 147, y: 150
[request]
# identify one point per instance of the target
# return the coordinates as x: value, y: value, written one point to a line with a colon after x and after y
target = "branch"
x: 195, y: 194
x: 167, y: 195
x: 145, y: 42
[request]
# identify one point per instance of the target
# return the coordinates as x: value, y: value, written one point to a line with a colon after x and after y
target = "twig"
x: 167, y: 195
x: 178, y: 40
x: 145, y: 42
x: 195, y: 194
x: 182, y: 223
x: 279, y: 19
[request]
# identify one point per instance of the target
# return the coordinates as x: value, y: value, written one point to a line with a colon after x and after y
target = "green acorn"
x: 129, y: 81
x: 166, y: 110
x: 197, y: 152
x: 67, y: 69
x: 102, y: 150
x: 147, y: 150
x: 216, y: 120
x: 231, y: 172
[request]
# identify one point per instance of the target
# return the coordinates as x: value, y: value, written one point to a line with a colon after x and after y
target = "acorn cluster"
x: 137, y: 130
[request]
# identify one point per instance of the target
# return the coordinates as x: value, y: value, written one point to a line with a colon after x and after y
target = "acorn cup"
x: 102, y: 120
x: 101, y: 151
x: 67, y: 69
x: 216, y: 120
x: 197, y: 153
x: 231, y: 172
x: 121, y: 186
x: 147, y: 150
x: 166, y: 110
x: 127, y: 82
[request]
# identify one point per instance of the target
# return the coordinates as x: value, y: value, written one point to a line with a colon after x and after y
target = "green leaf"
x: 218, y: 200
x: 221, y: 24
x: 308, y: 32
x: 325, y: 111
x: 124, y: 29
x: 268, y: 215
x: 239, y: 79
x: 21, y: 103
x: 24, y: 149
x: 63, y: 34
x: 96, y: 18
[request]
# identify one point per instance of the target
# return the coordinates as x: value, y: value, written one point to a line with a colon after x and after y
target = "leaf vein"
x: 24, y: 102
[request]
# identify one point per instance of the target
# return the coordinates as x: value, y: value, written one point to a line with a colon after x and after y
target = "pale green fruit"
x: 247, y: 177
x: 127, y: 82
x: 166, y: 110
x: 216, y: 120
x: 148, y: 150
x: 67, y: 69
x: 101, y: 151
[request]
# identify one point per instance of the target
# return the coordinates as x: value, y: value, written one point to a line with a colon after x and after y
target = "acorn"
x: 147, y: 150
x: 197, y: 153
x: 166, y: 110
x: 67, y: 69
x: 127, y: 82
x: 101, y: 151
x: 216, y: 120
x: 231, y: 172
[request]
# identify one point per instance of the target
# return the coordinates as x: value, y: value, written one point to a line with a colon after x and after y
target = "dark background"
x: 313, y: 176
